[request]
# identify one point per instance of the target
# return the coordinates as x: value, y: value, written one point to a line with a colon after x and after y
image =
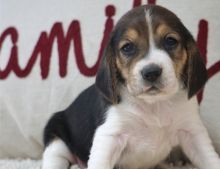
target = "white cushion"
x: 27, y: 102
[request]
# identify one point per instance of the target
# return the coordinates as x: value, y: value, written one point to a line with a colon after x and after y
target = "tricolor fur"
x: 142, y: 104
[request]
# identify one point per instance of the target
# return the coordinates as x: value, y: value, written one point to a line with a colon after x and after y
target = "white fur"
x: 56, y: 156
x: 138, y: 134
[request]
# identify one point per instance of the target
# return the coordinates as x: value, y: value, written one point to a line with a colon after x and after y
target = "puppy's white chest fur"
x: 148, y: 131
x: 149, y: 135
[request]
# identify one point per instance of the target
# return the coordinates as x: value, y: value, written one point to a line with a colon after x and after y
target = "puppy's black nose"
x: 151, y: 72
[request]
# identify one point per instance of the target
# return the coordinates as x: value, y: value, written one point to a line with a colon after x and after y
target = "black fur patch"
x: 77, y: 124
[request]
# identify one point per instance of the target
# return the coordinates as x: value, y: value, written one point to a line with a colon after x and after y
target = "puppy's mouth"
x: 146, y: 89
x: 152, y: 90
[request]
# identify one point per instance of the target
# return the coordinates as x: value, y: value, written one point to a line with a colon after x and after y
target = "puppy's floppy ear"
x: 196, y: 70
x: 106, y: 78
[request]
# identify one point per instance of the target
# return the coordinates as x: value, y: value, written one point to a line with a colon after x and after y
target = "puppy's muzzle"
x: 151, y: 73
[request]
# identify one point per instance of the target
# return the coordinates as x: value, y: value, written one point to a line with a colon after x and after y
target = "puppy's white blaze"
x: 56, y: 156
x: 150, y: 32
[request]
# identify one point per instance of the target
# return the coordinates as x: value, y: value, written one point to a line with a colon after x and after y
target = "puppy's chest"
x: 150, y: 132
x: 148, y: 122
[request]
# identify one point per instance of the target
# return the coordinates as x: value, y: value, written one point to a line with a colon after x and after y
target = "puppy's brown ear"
x: 196, y: 70
x: 106, y: 78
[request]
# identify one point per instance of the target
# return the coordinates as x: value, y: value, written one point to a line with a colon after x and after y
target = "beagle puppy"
x: 142, y: 105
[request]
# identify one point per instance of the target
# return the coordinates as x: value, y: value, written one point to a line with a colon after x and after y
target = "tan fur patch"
x: 164, y: 30
x: 180, y: 63
x: 132, y: 34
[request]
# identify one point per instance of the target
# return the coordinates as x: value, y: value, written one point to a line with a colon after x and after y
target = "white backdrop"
x: 27, y: 102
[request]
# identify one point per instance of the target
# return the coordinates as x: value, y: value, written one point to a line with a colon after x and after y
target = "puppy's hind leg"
x: 56, y: 156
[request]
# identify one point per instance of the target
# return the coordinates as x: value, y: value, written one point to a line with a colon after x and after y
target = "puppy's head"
x: 153, y: 55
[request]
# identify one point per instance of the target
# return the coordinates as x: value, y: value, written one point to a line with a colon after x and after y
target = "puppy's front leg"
x: 106, y: 149
x: 198, y: 147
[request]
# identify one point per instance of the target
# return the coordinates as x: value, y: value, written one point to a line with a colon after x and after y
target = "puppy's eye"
x: 170, y: 43
x: 128, y: 49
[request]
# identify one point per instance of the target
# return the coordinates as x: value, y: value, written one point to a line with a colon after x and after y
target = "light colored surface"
x: 20, y: 164
x: 32, y: 164
x: 27, y: 103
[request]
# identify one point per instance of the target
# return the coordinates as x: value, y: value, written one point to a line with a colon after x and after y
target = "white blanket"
x: 33, y: 164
